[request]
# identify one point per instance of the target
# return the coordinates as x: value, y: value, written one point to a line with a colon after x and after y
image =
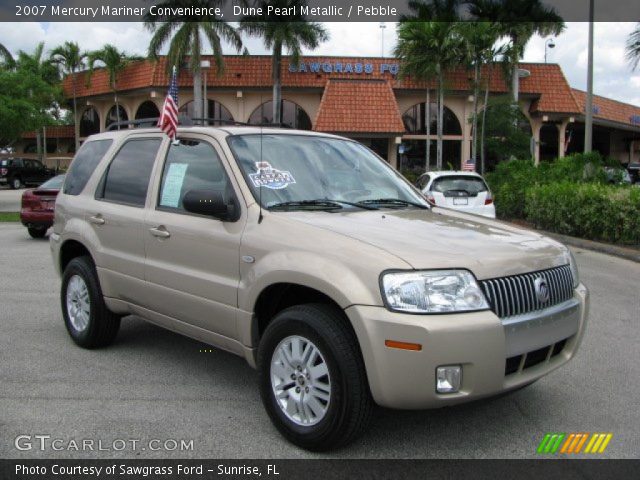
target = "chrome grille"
x: 516, y: 295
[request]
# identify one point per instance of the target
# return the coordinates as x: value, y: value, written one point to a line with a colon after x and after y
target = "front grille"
x: 516, y: 295
x: 531, y: 359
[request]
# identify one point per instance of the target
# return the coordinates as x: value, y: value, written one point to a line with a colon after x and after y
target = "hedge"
x: 593, y: 211
x: 569, y: 196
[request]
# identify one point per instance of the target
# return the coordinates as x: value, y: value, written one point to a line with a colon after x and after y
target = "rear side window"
x: 84, y: 164
x: 471, y: 185
x: 127, y: 178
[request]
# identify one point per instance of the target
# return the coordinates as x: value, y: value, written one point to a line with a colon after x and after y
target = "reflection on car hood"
x: 441, y: 238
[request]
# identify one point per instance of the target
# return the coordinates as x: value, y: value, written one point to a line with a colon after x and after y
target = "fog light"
x: 448, y: 378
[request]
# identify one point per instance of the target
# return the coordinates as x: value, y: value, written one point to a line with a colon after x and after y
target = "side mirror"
x: 208, y: 202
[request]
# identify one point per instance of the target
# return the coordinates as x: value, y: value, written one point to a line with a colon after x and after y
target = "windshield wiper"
x: 392, y: 201
x: 313, y: 204
x: 354, y: 204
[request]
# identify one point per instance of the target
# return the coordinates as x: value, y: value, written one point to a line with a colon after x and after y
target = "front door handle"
x: 97, y: 219
x: 160, y: 232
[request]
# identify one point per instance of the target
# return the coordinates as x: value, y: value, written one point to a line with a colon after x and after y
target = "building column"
x: 562, y: 131
x: 392, y: 152
x: 536, y: 125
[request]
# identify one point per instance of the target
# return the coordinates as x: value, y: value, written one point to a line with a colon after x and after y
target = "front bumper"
x: 479, y: 341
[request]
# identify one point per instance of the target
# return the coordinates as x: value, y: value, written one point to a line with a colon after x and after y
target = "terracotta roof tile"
x: 54, y: 131
x: 608, y: 109
x: 358, y: 106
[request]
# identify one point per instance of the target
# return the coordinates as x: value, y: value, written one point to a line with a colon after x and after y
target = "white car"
x: 464, y: 191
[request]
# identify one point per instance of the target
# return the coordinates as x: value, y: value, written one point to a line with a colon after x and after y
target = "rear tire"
x: 310, y: 350
x: 88, y: 320
x: 37, y: 232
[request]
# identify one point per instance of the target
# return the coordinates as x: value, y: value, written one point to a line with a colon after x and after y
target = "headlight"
x: 574, y: 270
x: 432, y: 291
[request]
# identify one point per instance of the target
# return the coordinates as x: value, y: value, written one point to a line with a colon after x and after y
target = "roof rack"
x: 187, y: 122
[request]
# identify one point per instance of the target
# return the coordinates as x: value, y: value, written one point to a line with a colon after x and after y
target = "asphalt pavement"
x: 156, y: 385
x: 10, y: 199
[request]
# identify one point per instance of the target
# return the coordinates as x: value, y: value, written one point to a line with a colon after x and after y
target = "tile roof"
x: 54, y: 131
x: 358, y: 106
x: 608, y: 109
x: 546, y: 84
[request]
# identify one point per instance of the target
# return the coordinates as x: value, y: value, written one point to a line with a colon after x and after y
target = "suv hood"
x: 440, y: 238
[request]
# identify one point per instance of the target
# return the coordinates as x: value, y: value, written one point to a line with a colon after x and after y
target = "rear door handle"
x: 97, y: 219
x: 160, y: 232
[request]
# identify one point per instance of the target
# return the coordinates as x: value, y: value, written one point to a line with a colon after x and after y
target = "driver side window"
x: 191, y: 165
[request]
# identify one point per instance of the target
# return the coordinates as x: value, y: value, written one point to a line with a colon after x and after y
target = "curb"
x: 628, y: 253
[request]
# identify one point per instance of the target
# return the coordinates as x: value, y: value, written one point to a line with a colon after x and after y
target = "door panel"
x: 192, y: 261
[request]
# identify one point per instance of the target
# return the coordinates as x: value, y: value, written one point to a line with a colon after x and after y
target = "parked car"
x: 36, y: 212
x: 464, y: 191
x: 317, y: 262
x: 618, y: 176
x: 634, y: 172
x: 17, y: 172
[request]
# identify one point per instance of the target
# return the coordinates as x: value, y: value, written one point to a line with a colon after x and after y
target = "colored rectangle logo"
x: 574, y: 443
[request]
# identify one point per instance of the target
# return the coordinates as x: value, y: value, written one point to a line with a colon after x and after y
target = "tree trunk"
x: 197, y: 94
x: 427, y: 127
x: 476, y: 92
x: 515, y: 80
x: 115, y: 96
x: 484, y: 118
x: 275, y: 76
x: 440, y: 117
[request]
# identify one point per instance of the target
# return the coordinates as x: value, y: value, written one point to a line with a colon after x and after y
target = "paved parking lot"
x: 10, y: 199
x: 153, y: 384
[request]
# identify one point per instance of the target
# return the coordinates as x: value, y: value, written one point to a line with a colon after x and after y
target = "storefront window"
x: 413, y: 153
x: 148, y: 109
x: 114, y: 116
x: 292, y: 115
x: 89, y: 122
x: 414, y: 120
x: 216, y: 110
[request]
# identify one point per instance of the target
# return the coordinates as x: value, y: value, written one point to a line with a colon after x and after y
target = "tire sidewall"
x: 16, y: 183
x: 284, y: 326
x: 82, y: 268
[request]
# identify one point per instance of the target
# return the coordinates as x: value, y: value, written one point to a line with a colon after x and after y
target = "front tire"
x: 16, y: 183
x: 88, y: 320
x: 312, y: 378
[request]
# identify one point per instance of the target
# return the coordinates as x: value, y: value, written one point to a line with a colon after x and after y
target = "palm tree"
x: 508, y: 16
x: 292, y: 33
x: 491, y: 55
x: 185, y: 34
x: 633, y: 47
x: 38, y: 65
x: 70, y: 59
x: 6, y: 57
x: 114, y: 62
x: 479, y: 39
x: 427, y: 49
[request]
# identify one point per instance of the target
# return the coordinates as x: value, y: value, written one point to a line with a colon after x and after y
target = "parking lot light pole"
x: 588, y: 114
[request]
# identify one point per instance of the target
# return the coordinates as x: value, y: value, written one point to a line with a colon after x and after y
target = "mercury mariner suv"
x: 318, y: 263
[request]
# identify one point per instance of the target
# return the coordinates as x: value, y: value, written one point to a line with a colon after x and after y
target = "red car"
x: 36, y: 212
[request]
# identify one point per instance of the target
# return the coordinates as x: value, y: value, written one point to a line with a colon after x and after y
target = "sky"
x: 612, y: 75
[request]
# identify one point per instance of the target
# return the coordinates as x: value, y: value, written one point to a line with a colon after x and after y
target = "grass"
x: 9, y: 216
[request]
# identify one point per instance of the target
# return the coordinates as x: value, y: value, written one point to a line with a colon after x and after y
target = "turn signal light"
x: 416, y: 347
x: 3, y: 171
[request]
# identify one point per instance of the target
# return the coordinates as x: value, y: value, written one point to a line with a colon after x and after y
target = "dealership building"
x: 362, y: 98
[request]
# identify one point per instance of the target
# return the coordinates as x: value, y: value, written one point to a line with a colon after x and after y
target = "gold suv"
x: 316, y: 261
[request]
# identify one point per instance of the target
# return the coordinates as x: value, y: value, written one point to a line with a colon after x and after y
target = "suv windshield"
x: 297, y: 171
x: 460, y: 183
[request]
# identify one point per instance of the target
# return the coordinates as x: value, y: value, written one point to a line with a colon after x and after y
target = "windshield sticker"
x: 270, y: 177
x: 173, y: 185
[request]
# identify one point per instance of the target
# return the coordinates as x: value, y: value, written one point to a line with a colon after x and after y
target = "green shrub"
x: 511, y: 180
x: 587, y: 210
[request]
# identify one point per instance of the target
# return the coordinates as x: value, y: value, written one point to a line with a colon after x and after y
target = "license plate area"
x: 461, y: 201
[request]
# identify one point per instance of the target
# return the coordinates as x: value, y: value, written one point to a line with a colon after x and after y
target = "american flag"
x: 168, y: 121
x: 469, y: 165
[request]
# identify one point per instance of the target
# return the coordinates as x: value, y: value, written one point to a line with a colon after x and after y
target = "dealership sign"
x: 343, y: 67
